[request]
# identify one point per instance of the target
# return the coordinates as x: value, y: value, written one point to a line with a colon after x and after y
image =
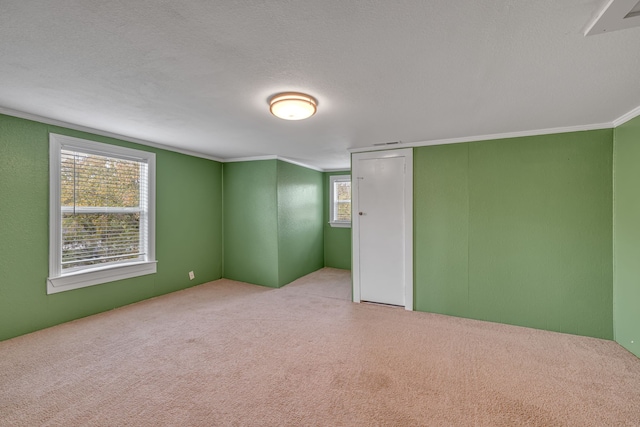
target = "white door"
x: 381, y: 200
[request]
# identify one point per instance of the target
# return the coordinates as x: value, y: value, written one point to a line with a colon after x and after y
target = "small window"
x: 340, y: 206
x: 102, y: 213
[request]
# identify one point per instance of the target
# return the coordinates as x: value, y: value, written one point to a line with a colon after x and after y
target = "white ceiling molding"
x: 249, y: 159
x: 376, y: 147
x: 304, y: 165
x: 615, y: 15
x: 283, y: 159
x: 486, y: 137
x: 338, y: 170
x: 54, y: 122
x: 626, y: 117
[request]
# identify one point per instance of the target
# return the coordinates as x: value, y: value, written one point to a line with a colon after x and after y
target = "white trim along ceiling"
x: 377, y: 147
x: 615, y: 15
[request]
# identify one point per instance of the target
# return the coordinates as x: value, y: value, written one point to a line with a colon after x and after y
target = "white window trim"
x: 59, y: 281
x: 332, y: 180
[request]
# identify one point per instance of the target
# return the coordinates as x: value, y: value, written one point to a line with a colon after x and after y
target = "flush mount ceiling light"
x: 293, y: 106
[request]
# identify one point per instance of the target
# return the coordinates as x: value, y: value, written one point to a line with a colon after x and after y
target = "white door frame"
x: 407, y: 153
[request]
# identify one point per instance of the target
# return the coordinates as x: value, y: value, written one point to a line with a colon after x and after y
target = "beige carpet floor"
x: 232, y: 354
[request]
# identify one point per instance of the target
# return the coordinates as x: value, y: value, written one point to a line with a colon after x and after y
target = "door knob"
x: 360, y: 213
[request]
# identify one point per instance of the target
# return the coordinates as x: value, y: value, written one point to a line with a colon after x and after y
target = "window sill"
x: 340, y: 224
x: 97, y: 276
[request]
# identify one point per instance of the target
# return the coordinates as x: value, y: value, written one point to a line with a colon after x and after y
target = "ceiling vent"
x: 615, y: 15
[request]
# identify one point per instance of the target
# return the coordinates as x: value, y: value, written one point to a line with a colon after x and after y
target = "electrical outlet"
x: 191, y: 275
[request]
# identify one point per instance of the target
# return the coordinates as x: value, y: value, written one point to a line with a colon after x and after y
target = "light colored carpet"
x: 232, y: 354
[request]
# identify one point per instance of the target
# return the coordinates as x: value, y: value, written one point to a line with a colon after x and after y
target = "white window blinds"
x: 101, y: 215
x: 340, y: 194
x: 103, y: 203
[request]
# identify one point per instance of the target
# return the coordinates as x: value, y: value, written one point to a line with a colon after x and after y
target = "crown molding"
x: 68, y: 125
x: 626, y: 117
x: 615, y: 15
x: 536, y: 132
x: 249, y: 159
x: 283, y: 159
x: 301, y: 164
x: 54, y: 122
x: 338, y: 170
x: 46, y: 120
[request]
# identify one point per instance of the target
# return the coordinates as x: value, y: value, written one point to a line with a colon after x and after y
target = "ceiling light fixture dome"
x: 293, y: 106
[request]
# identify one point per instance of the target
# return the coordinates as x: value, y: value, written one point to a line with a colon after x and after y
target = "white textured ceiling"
x: 196, y: 74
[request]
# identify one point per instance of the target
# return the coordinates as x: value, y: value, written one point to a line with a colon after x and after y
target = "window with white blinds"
x: 340, y: 203
x: 101, y: 213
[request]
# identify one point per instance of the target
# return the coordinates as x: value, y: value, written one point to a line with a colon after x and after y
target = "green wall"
x: 517, y: 231
x: 251, y: 222
x: 300, y: 206
x: 626, y: 219
x: 188, y: 231
x: 272, y: 222
x: 441, y: 229
x: 337, y: 240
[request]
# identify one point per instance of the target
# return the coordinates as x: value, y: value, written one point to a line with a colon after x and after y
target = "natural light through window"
x: 102, y: 213
x: 340, y: 196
